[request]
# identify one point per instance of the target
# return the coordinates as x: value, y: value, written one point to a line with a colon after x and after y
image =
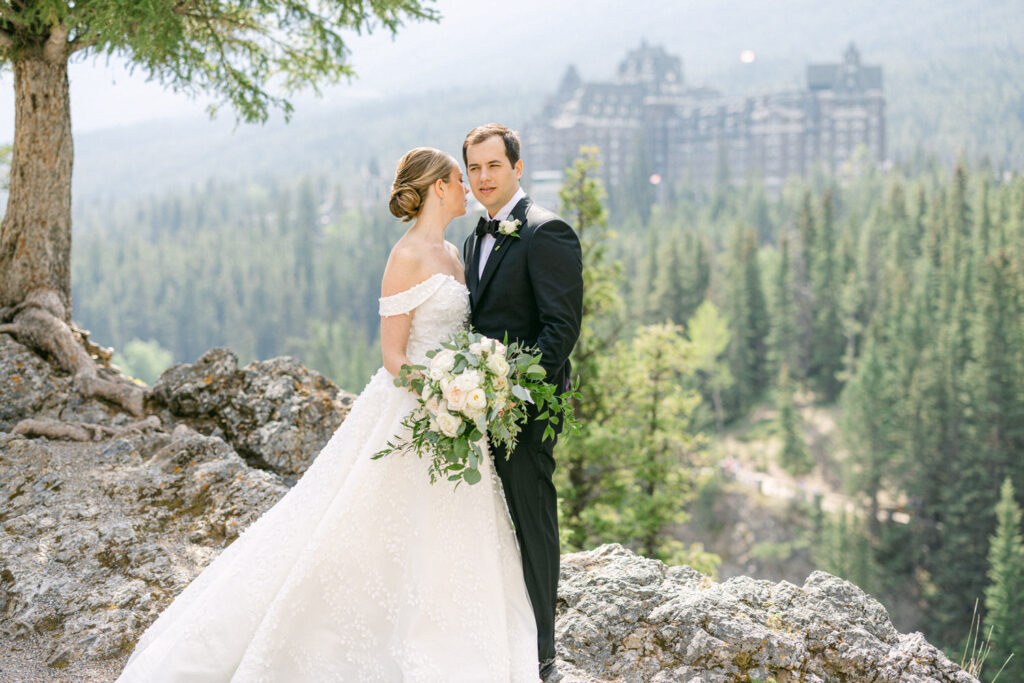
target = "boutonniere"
x: 509, y: 226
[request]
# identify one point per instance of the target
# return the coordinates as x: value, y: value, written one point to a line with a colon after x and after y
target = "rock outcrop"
x: 622, y: 617
x: 275, y: 413
x: 97, y: 537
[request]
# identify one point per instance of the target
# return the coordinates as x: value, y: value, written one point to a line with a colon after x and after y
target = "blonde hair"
x: 417, y: 170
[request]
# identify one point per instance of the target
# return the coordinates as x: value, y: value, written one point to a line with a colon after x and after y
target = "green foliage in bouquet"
x: 475, y: 388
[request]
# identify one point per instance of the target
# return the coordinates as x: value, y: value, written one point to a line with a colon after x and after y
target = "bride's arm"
x: 400, y: 273
x: 394, y: 335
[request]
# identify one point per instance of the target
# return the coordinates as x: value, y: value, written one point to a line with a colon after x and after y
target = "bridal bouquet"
x: 472, y: 387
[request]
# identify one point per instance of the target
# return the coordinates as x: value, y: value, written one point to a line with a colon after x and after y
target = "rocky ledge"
x: 97, y: 537
x: 623, y: 617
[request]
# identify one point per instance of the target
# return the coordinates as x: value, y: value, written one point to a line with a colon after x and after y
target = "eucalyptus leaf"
x: 460, y: 449
x: 522, y: 393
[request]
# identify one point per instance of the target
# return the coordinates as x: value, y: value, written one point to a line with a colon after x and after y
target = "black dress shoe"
x: 549, y: 672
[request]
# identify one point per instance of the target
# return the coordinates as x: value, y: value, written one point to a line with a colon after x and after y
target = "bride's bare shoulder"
x: 453, y: 251
x: 403, y: 270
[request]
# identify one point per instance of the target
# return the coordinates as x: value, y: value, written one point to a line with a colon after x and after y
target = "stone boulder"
x: 623, y: 617
x: 277, y: 413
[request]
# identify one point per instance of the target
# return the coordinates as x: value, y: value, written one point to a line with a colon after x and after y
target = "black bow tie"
x: 486, y: 227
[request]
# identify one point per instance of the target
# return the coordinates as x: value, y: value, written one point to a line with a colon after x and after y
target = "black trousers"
x: 533, y: 505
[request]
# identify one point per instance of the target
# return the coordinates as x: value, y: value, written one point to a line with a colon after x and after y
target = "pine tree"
x: 304, y: 241
x: 583, y: 462
x: 671, y: 291
x: 748, y: 319
x: 993, y: 373
x: 647, y: 491
x: 867, y: 412
x: 827, y: 332
x: 804, y: 268
x: 709, y: 337
x: 646, y: 298
x: 782, y: 338
x: 1004, y: 595
x: 793, y: 456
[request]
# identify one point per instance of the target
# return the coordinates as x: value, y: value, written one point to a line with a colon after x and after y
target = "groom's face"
x: 492, y: 177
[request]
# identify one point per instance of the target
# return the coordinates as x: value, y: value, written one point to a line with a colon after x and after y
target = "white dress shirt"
x: 487, y: 243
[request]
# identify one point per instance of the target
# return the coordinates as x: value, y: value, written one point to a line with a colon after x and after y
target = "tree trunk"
x: 35, y: 237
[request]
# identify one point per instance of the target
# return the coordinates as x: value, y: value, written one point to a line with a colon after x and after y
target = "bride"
x: 364, y: 571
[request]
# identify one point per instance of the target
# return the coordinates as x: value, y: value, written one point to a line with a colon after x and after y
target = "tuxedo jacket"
x: 531, y: 287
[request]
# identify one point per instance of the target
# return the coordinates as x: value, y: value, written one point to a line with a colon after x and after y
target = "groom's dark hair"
x: 481, y: 133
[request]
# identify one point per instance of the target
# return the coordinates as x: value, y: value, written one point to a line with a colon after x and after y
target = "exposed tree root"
x: 38, y: 323
x: 80, y: 431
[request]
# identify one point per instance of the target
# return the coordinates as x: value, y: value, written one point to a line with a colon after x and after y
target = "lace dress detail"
x: 439, y: 306
x: 363, y: 571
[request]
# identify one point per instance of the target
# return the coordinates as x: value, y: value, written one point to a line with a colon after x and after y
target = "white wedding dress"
x: 363, y: 571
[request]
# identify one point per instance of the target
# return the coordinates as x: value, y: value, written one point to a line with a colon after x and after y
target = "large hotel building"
x: 697, y: 135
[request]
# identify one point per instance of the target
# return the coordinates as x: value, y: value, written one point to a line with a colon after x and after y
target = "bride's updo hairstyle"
x: 417, y: 171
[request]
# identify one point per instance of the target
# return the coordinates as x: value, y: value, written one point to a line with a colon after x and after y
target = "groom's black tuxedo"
x: 532, y: 290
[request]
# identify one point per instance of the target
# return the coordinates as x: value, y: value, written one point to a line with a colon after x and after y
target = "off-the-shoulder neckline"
x: 424, y: 282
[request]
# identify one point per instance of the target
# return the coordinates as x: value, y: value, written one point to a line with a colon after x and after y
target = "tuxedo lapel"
x: 500, y: 249
x: 473, y: 265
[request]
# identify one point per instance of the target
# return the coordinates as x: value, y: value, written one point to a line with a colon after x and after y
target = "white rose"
x: 449, y: 424
x: 500, y: 402
x: 444, y: 361
x: 476, y: 348
x: 501, y: 384
x: 476, y: 400
x: 456, y: 396
x: 433, y: 406
x: 499, y: 347
x: 468, y: 380
x: 472, y: 413
x: 432, y: 424
x: 498, y: 365
x: 509, y: 226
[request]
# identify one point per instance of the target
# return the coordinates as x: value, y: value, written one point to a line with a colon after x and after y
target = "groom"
x: 525, y: 279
